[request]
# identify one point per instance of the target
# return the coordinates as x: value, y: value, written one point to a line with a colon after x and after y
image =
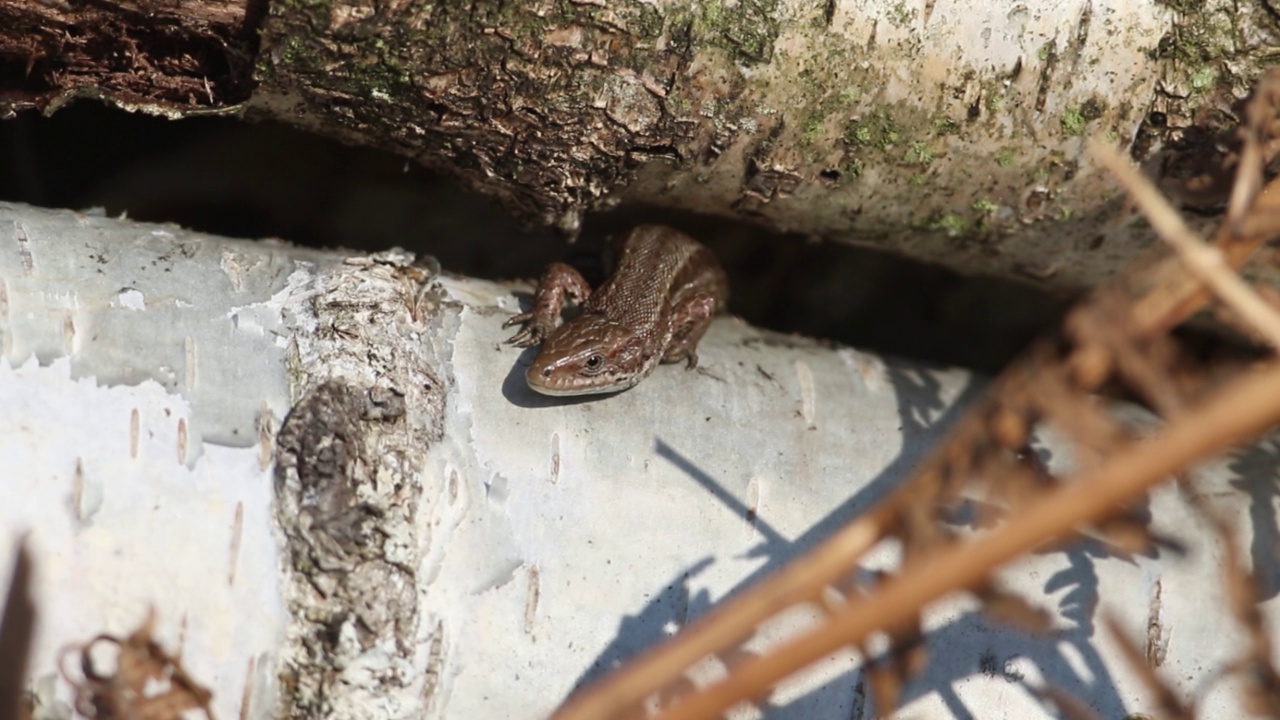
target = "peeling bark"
x: 178, y: 58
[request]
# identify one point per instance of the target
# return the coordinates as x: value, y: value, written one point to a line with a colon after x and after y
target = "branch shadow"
x: 1257, y: 475
x: 668, y: 611
x: 976, y: 644
x: 17, y: 630
x: 962, y: 648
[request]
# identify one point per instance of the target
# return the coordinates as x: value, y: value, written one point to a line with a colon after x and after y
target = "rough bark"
x: 950, y: 131
x: 173, y: 58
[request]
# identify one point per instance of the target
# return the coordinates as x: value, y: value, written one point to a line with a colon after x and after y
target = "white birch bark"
x: 438, y: 541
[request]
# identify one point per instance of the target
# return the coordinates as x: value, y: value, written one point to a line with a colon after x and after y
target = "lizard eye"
x: 593, y: 363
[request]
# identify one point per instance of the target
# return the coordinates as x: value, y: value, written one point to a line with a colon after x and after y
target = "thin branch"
x: 727, y: 624
x: 1119, y: 330
x: 1258, y: 115
x: 1201, y: 259
x: 1237, y: 413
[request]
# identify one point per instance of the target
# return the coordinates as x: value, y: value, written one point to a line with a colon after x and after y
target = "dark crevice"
x: 243, y: 180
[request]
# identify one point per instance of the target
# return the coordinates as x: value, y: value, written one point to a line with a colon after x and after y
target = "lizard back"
x: 656, y: 270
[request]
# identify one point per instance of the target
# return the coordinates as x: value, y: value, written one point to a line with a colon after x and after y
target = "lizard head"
x: 586, y: 356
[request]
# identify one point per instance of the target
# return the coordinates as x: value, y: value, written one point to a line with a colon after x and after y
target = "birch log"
x: 326, y: 476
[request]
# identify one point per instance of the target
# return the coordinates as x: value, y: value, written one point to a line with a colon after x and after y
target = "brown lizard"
x: 654, y: 308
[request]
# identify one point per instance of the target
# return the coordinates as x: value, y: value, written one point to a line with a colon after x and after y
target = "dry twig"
x: 1204, y: 261
x: 1234, y: 414
x: 148, y: 683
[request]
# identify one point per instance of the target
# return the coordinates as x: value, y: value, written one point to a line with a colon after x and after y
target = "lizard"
x: 654, y: 308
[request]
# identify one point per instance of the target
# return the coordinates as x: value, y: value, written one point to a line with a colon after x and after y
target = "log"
x: 951, y: 131
x: 324, y: 474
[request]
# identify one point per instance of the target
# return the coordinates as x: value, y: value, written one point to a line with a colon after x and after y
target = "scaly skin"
x: 653, y: 309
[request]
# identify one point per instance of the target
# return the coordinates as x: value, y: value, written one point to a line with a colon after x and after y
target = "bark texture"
x: 172, y: 57
x: 950, y: 131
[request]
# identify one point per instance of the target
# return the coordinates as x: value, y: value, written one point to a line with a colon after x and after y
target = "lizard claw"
x: 533, y: 332
x: 518, y: 319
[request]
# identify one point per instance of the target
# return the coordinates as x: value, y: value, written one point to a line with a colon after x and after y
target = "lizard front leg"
x: 559, y: 281
x: 690, y: 320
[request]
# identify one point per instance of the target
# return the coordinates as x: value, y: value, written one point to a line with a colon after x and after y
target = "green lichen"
x: 518, y: 20
x: 919, y: 179
x: 917, y: 154
x: 944, y: 125
x: 1202, y: 32
x: 876, y: 130
x: 1004, y: 158
x: 1212, y: 48
x: 985, y: 206
x: 952, y: 224
x: 1077, y: 117
x: 1073, y: 122
x: 1203, y: 79
x: 644, y: 20
x: 381, y: 76
x: 850, y: 95
x: 901, y: 15
x: 749, y: 29
x: 827, y: 104
x: 814, y: 132
x: 295, y: 49
x: 1047, y: 51
x: 315, y: 7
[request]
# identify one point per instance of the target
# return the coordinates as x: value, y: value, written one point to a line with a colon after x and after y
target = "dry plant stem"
x: 1257, y: 149
x: 729, y: 623
x: 1240, y: 236
x: 1239, y: 412
x: 737, y: 618
x: 1180, y: 294
x: 1159, y: 297
x: 1249, y: 180
x: 1154, y: 299
x: 1201, y: 259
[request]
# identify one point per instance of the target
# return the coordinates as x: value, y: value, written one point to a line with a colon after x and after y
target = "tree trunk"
x: 951, y: 131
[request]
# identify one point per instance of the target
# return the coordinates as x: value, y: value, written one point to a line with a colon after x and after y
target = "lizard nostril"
x: 546, y: 372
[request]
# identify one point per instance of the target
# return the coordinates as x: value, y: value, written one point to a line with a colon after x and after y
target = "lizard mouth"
x: 561, y: 387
